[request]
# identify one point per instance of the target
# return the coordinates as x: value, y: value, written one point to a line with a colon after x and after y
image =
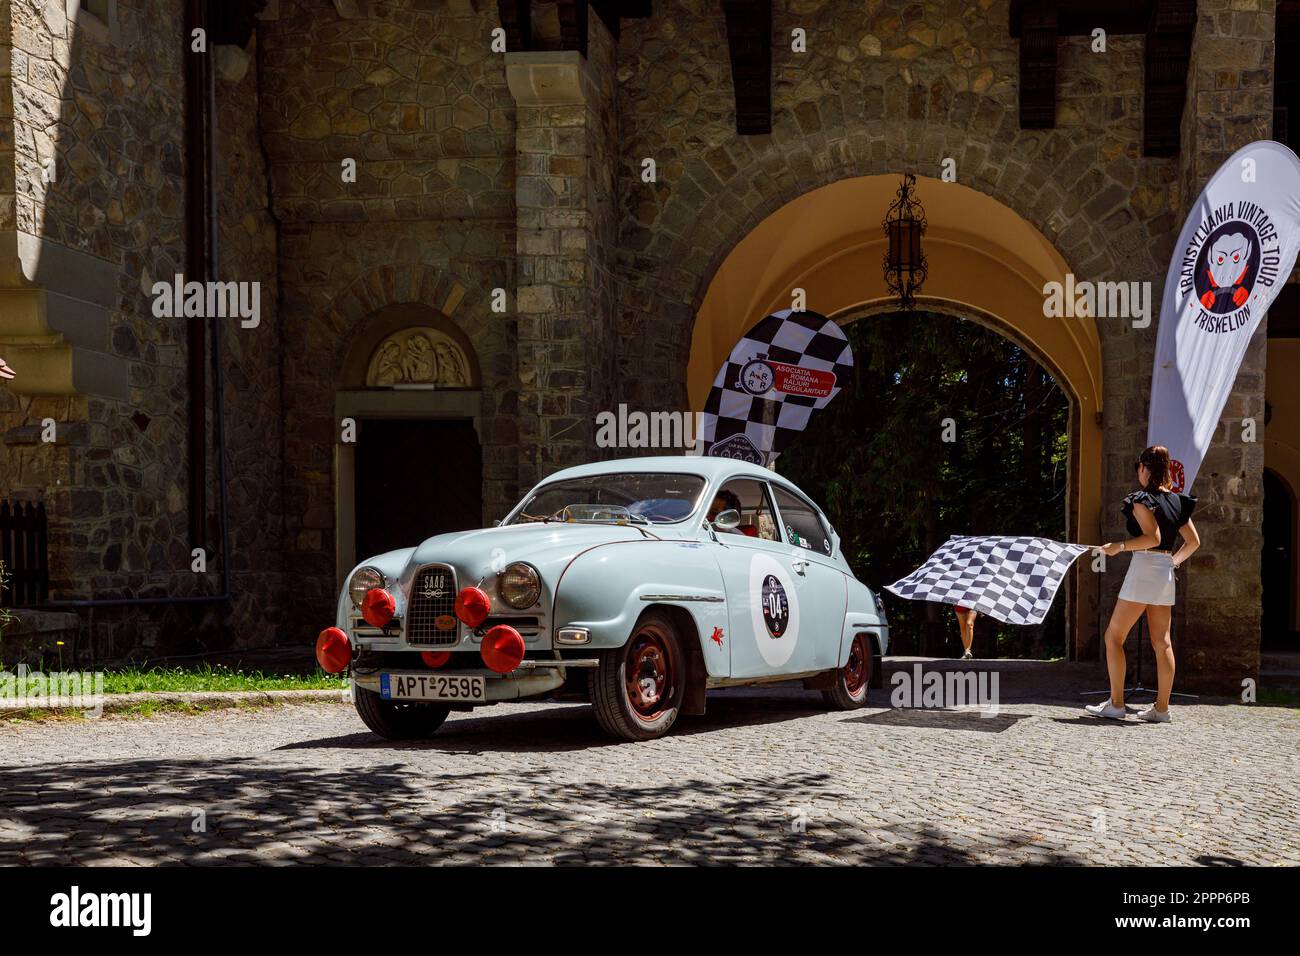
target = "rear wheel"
x: 394, y: 721
x: 849, y: 689
x: 637, y: 689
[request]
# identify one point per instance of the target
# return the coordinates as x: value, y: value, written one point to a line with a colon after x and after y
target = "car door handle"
x: 800, y: 565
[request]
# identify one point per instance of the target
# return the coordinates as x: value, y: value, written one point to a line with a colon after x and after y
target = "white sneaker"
x: 1153, y: 716
x: 1105, y: 709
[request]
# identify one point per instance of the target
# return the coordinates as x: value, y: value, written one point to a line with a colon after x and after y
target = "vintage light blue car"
x: 637, y: 584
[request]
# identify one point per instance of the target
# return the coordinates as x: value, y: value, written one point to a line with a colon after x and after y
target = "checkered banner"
x: 784, y: 368
x: 1011, y: 579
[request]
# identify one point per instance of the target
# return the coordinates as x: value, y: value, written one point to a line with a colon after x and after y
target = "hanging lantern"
x: 905, y: 265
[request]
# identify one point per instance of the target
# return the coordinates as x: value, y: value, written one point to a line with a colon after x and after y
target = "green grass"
x: 210, y: 678
x: 142, y: 709
x: 1279, y: 697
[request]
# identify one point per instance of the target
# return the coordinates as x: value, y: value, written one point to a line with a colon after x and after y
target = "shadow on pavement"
x: 390, y: 813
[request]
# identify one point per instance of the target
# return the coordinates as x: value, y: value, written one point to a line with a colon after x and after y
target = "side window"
x: 751, y: 499
x: 803, y: 526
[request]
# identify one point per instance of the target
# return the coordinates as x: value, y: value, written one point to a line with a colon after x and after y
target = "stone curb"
x: 113, y: 703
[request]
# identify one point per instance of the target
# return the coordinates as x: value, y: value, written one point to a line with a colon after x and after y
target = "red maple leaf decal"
x: 716, y: 637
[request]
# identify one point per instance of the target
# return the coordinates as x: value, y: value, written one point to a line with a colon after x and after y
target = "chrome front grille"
x: 431, y: 612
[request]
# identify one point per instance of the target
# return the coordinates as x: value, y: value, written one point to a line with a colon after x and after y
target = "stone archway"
x: 986, y: 263
x: 1104, y: 216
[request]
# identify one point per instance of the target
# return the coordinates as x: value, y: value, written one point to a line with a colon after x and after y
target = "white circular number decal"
x: 773, y: 610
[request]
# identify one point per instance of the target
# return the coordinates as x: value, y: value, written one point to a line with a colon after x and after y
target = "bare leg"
x: 1122, y: 619
x: 966, y: 625
x: 1158, y: 618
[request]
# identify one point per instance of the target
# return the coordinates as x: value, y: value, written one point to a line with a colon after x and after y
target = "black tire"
x: 849, y: 688
x: 394, y: 721
x: 655, y: 650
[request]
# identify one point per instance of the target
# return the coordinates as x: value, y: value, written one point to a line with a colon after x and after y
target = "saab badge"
x: 776, y: 607
x: 756, y: 376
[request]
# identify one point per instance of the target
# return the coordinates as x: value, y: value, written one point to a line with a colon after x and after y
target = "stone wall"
x: 567, y: 237
x: 1229, y: 104
x: 108, y: 111
x: 247, y: 251
x: 415, y: 95
x: 105, y: 100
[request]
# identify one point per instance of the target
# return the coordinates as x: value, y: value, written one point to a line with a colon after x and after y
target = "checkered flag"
x: 1011, y: 579
x: 783, y: 368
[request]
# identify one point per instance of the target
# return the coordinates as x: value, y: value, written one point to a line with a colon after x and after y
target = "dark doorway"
x: 415, y: 478
x: 1277, y: 568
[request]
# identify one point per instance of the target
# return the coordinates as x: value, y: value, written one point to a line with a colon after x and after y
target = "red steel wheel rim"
x: 855, y: 671
x: 651, y: 672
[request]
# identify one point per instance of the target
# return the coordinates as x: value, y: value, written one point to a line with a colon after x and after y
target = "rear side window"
x: 803, y: 526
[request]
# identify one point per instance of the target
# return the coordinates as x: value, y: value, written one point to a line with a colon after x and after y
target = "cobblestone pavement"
x: 766, y: 777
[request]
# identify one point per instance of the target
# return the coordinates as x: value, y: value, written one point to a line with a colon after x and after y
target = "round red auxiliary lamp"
x: 377, y: 607
x: 472, y: 606
x: 333, y: 651
x: 502, y: 649
x: 435, y: 658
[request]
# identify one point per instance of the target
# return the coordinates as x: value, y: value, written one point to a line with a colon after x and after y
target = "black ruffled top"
x: 1171, y: 510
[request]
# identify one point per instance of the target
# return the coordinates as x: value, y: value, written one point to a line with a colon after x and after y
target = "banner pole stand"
x: 1137, y: 676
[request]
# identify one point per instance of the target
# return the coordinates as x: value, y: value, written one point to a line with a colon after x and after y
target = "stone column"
x: 566, y: 241
x: 1229, y: 104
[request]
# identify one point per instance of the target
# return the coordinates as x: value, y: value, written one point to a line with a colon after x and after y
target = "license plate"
x: 433, y: 687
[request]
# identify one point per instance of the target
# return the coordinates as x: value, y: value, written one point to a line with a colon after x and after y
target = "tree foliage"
x: 945, y: 428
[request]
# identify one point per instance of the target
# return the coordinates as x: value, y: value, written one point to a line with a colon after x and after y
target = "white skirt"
x: 1150, y: 579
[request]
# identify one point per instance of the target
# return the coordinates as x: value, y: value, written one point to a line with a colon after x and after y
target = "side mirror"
x: 727, y: 520
x: 496, y: 522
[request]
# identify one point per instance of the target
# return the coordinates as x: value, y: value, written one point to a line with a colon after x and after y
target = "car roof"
x: 712, y: 469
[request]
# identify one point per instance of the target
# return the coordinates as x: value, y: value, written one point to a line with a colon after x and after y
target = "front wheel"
x: 849, y: 688
x: 637, y: 689
x: 398, y: 721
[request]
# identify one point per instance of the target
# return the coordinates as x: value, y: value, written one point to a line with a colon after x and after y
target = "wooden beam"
x: 1078, y: 18
x: 516, y: 20
x: 608, y: 11
x: 1286, y: 79
x: 1284, y: 316
x: 749, y: 41
x: 573, y: 25
x: 1037, y: 64
x: 1168, y: 54
x: 233, y: 21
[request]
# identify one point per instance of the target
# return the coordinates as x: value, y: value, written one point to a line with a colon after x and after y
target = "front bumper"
x: 529, y: 680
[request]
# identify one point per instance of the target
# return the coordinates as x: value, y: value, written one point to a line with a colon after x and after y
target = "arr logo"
x: 75, y: 909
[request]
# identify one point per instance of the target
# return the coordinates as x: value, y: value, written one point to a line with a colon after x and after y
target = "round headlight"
x: 519, y: 586
x: 362, y: 580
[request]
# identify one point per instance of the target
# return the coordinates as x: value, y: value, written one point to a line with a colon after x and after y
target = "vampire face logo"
x: 1227, y: 267
x: 776, y: 607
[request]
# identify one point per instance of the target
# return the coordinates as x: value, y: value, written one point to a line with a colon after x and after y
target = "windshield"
x: 630, y: 498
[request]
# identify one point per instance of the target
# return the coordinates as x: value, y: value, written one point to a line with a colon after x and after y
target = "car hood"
x: 547, y: 546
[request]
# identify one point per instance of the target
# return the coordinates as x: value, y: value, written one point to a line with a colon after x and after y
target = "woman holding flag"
x: 1155, y: 517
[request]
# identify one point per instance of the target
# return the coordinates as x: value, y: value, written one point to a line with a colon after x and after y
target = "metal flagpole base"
x: 1138, y: 689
